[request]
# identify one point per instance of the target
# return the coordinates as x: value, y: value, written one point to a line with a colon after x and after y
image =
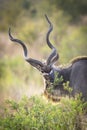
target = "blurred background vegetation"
x: 26, y: 18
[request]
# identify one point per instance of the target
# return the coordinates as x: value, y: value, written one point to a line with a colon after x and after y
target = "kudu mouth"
x: 52, y: 58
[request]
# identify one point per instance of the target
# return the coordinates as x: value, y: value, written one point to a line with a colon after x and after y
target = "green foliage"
x: 67, y: 87
x: 35, y: 113
x: 56, y: 79
x: 72, y: 7
x: 10, y: 11
x: 59, y: 81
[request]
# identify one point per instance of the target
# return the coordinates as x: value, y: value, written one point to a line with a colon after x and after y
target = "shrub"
x: 37, y: 114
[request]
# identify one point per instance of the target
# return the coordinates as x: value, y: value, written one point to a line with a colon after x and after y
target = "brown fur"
x: 78, y: 58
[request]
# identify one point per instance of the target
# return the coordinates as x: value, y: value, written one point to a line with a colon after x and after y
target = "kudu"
x: 75, y: 73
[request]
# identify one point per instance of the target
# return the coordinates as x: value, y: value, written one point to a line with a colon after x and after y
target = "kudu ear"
x: 36, y: 64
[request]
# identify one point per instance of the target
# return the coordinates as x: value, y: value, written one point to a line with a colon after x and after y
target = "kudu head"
x: 47, y: 67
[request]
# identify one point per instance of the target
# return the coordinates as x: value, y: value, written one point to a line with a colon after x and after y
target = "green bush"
x: 37, y: 114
